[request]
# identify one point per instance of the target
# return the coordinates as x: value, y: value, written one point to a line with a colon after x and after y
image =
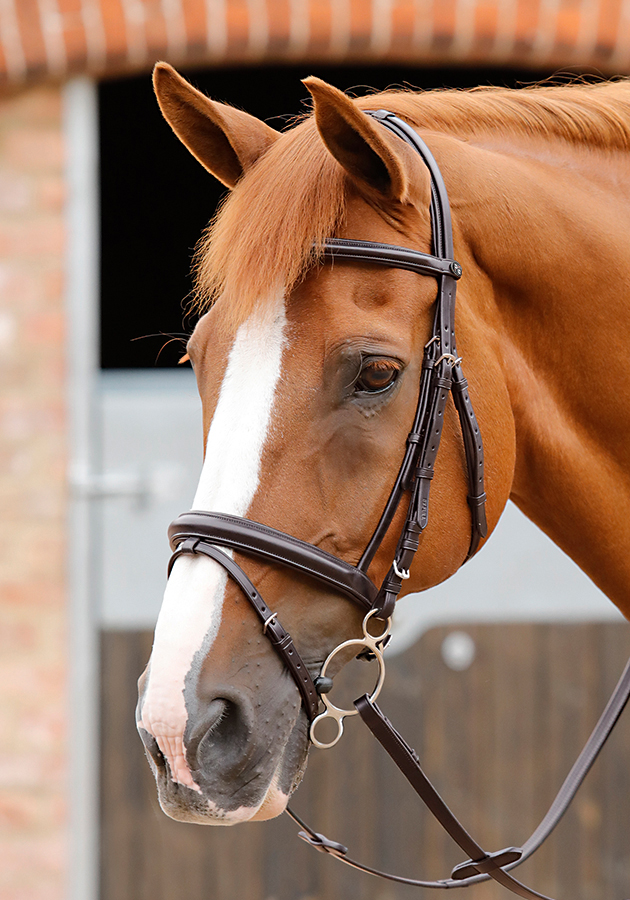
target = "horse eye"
x: 376, y: 375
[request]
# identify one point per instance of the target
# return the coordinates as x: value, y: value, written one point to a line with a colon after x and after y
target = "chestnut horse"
x: 309, y: 372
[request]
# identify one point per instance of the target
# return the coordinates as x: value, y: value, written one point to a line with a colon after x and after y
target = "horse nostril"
x: 222, y: 735
x: 217, y: 711
x: 219, y: 724
x: 151, y: 747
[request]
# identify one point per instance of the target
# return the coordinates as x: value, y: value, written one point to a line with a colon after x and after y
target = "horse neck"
x: 547, y: 228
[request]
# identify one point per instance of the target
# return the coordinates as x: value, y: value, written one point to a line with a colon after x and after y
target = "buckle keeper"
x: 323, y: 844
x: 490, y: 861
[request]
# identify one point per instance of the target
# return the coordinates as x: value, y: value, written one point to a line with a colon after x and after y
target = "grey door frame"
x: 80, y: 124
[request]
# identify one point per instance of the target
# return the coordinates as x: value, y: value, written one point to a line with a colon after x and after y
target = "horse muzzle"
x: 244, y: 754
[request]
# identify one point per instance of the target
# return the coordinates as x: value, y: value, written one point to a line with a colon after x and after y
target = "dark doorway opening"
x: 156, y: 199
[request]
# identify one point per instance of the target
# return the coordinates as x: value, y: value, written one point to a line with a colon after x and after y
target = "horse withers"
x: 309, y: 375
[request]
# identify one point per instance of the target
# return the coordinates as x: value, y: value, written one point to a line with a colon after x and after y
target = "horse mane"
x: 264, y: 237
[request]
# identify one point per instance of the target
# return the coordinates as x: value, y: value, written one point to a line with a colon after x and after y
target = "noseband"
x: 198, y: 532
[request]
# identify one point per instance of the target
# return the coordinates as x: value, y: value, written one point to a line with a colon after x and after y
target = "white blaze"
x: 193, y: 600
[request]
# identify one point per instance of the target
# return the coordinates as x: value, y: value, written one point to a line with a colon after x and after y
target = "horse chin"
x: 273, y: 805
x: 186, y: 804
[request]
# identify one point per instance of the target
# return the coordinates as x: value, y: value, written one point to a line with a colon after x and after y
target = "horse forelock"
x: 266, y: 233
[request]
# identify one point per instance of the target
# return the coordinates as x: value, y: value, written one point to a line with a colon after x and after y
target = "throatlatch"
x: 201, y: 532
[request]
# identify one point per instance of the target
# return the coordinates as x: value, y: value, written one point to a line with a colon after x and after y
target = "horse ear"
x: 226, y: 141
x: 357, y: 142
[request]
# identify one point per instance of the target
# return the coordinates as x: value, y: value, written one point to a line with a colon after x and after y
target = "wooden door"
x: 497, y: 738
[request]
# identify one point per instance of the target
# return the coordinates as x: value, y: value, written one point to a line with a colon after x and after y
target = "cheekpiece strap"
x: 441, y: 374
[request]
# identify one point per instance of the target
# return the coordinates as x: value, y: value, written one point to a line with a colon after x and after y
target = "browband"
x: 392, y: 256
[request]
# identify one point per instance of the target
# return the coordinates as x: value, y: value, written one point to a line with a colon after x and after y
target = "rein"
x: 200, y: 532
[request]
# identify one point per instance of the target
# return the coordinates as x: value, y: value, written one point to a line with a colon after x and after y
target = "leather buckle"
x: 323, y: 844
x: 490, y: 861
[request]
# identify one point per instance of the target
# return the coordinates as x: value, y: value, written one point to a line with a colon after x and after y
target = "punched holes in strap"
x: 473, y: 447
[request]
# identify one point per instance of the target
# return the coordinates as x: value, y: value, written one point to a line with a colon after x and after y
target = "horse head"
x: 309, y: 374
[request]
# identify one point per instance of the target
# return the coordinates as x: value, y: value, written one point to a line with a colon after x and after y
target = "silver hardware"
x: 435, y: 338
x: 268, y: 622
x: 454, y: 360
x: 403, y: 574
x: 336, y: 713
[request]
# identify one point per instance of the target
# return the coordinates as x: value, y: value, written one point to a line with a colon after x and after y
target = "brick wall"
x: 33, y: 664
x: 59, y: 37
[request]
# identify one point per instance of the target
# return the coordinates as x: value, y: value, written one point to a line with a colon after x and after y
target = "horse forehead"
x: 333, y: 304
x: 344, y: 301
x: 237, y: 369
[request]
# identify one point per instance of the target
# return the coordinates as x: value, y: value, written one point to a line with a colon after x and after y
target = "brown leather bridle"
x: 200, y: 532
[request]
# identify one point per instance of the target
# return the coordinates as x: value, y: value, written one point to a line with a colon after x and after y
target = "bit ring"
x: 337, y: 713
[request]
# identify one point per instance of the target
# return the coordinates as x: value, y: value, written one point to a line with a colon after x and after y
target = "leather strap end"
x: 478, y: 509
x: 418, y: 516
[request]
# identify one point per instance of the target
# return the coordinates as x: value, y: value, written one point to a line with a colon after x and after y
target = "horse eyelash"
x: 379, y: 363
x: 384, y: 364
